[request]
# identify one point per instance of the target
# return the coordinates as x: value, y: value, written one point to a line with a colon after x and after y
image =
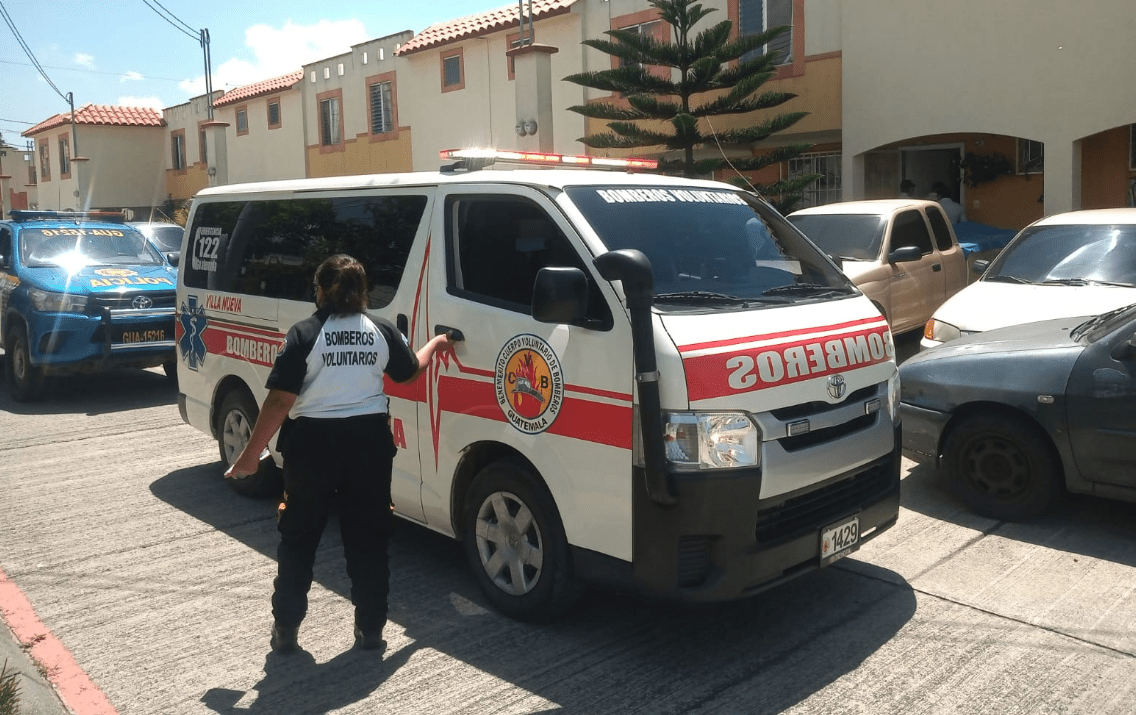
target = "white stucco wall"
x: 483, y: 113
x: 1048, y: 70
x: 265, y: 154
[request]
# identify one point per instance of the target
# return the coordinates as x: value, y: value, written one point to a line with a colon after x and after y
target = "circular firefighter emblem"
x: 529, y: 383
x: 115, y: 272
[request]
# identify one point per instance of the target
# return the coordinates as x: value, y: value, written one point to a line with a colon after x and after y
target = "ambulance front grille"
x: 808, y: 409
x: 815, y: 509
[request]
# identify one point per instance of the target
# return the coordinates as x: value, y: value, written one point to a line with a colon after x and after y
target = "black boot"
x: 370, y: 639
x: 284, y: 638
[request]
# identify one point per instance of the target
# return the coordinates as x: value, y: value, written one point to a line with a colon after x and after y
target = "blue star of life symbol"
x: 193, y: 323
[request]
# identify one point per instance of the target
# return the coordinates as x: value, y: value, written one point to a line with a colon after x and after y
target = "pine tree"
x: 703, y: 64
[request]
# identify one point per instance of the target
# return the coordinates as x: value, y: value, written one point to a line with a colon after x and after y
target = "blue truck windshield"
x: 76, y: 246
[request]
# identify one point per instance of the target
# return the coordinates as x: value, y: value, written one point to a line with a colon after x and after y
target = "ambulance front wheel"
x: 515, y: 543
x: 234, y: 427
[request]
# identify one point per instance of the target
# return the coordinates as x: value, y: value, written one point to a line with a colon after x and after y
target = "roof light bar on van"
x: 484, y: 157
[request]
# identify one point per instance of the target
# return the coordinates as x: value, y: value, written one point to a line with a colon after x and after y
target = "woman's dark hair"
x: 344, y: 284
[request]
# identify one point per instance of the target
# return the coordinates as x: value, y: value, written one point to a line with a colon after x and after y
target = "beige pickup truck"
x: 902, y: 253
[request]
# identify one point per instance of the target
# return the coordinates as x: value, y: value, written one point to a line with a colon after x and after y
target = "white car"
x: 901, y: 253
x: 1070, y: 264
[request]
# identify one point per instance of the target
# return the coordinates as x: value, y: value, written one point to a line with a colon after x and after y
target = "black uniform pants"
x: 346, y: 461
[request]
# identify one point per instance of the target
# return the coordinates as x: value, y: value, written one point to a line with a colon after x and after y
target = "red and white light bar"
x: 532, y: 157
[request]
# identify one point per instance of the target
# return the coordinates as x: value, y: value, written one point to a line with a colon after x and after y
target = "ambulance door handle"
x: 455, y: 334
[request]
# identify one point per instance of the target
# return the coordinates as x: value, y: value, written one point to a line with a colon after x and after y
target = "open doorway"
x: 927, y: 166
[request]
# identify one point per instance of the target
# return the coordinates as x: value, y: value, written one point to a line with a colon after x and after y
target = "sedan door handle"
x: 937, y: 267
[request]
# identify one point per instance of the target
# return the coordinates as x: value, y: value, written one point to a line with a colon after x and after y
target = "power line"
x: 174, y: 16
x: 76, y: 69
x: 28, y: 52
x: 196, y: 36
x: 16, y: 121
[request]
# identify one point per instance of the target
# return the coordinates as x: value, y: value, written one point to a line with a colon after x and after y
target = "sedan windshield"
x: 1070, y: 255
x: 711, y: 247
x: 850, y: 237
x: 79, y: 246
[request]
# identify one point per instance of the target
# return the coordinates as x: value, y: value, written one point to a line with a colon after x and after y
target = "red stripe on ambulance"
x: 771, y: 365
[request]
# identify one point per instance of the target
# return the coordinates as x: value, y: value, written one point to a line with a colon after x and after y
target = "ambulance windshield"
x: 711, y: 244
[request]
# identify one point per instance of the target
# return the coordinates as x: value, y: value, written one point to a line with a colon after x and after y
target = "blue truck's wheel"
x: 25, y: 380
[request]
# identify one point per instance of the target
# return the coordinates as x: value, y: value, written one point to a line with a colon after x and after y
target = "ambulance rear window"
x: 272, y: 248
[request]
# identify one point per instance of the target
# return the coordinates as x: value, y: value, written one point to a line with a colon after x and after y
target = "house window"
x: 649, y: 29
x: 825, y: 190
x: 242, y: 121
x: 1031, y: 157
x: 274, y: 114
x: 204, y: 143
x: 382, y: 120
x: 330, y: 116
x: 453, y: 71
x: 757, y: 16
x: 64, y: 158
x: 177, y: 145
x: 44, y: 161
x: 31, y: 174
x: 1132, y: 147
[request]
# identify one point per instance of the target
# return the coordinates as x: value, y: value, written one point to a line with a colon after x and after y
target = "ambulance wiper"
x: 698, y: 296
x: 806, y: 288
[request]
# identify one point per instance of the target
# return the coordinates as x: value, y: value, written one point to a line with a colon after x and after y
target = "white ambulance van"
x: 659, y: 384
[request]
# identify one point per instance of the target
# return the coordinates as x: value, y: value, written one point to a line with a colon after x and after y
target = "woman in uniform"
x: 326, y: 397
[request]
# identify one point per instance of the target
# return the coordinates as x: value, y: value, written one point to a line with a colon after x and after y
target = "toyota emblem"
x: 142, y: 302
x: 836, y: 387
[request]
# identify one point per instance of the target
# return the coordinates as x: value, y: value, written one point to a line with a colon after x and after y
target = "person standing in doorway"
x: 325, y: 395
x: 906, y: 189
x: 953, y: 209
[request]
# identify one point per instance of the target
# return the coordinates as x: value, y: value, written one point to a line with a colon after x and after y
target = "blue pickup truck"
x: 81, y: 292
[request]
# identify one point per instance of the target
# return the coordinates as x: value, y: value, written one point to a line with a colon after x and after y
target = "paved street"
x: 116, y: 526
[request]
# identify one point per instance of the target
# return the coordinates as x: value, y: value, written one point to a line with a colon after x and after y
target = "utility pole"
x: 208, y: 71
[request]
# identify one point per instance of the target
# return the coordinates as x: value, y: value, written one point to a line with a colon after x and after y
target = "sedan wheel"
x: 1003, y: 467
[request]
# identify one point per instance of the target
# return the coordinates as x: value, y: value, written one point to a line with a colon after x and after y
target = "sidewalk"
x: 37, y: 696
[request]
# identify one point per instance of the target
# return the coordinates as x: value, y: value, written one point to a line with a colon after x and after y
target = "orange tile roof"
x: 481, y: 24
x: 104, y: 115
x: 268, y: 86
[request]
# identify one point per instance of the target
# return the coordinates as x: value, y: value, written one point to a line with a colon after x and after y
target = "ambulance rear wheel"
x: 234, y: 428
x: 515, y: 543
x: 25, y: 380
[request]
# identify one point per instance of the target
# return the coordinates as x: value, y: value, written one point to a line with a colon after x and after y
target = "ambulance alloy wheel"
x: 25, y: 380
x: 236, y: 418
x: 515, y: 544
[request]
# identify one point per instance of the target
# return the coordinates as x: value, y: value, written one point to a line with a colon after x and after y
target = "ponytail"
x: 344, y: 284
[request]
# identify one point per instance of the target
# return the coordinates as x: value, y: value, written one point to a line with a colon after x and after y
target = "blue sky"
x: 123, y: 52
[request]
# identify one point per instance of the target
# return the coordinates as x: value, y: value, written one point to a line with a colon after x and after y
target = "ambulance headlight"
x: 711, y: 440
x: 46, y: 302
x: 941, y: 332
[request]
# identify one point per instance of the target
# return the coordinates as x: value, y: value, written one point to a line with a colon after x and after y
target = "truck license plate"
x: 143, y: 336
x: 839, y: 540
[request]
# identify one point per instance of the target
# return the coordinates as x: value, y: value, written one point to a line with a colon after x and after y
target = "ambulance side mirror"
x: 560, y: 295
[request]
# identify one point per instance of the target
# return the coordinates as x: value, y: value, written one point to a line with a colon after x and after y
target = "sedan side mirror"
x: 905, y: 254
x: 560, y: 295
